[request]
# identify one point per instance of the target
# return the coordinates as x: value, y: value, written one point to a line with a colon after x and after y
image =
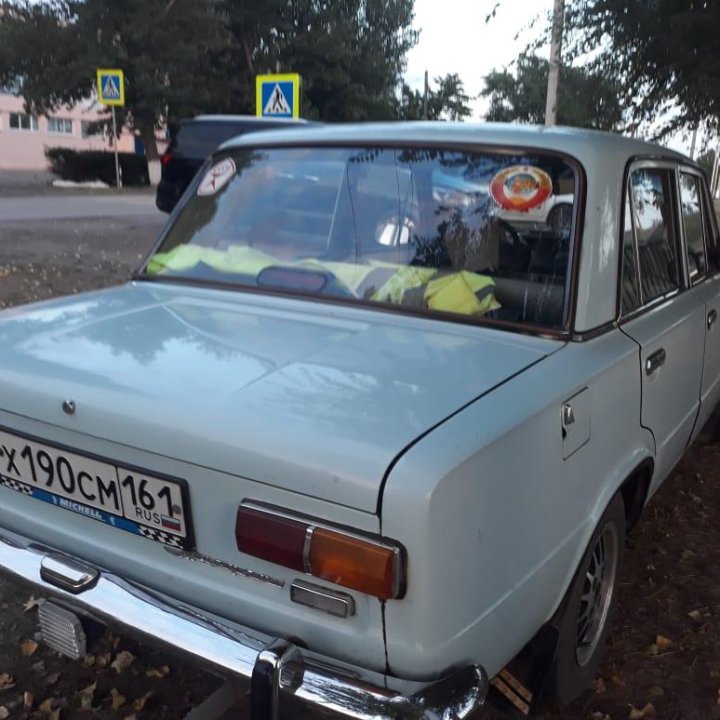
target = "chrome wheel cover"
x: 597, y: 594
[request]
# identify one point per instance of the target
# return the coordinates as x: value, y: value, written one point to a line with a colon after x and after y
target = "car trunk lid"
x: 315, y: 398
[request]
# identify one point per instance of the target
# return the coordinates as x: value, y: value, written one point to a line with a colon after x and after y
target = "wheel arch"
x: 632, y: 479
x: 635, y: 491
x: 541, y: 649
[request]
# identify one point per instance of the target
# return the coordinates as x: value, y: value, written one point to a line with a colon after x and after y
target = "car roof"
x: 245, y: 119
x: 582, y: 144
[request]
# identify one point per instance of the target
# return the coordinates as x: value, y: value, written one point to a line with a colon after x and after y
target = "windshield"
x: 478, y: 234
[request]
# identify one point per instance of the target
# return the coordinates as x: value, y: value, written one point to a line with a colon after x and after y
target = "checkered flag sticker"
x: 160, y: 536
x: 15, y: 485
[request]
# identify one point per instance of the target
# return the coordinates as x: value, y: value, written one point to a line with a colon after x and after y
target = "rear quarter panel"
x: 494, y: 520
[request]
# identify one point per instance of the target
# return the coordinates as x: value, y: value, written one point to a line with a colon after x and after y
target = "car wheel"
x: 585, y: 614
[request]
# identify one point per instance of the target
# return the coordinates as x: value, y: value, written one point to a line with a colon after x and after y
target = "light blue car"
x: 355, y: 438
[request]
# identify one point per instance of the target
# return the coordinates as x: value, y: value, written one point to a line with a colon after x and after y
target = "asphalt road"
x: 62, y: 206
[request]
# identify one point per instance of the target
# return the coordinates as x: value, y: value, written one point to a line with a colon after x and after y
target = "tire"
x: 586, y: 612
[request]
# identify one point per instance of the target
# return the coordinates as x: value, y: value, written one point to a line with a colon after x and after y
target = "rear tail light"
x: 271, y: 537
x: 369, y: 565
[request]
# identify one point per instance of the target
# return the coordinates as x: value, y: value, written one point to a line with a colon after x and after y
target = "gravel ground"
x: 663, y: 658
x: 39, y: 260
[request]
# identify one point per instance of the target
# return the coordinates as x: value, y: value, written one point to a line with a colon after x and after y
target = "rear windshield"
x: 481, y: 234
x: 200, y: 138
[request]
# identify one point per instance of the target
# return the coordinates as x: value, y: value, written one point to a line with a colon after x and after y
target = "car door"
x: 701, y: 244
x: 660, y: 313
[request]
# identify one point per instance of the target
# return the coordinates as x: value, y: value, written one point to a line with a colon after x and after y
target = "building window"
x: 23, y: 121
x: 89, y: 129
x: 60, y: 125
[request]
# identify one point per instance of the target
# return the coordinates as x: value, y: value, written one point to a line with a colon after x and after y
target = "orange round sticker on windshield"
x: 217, y: 177
x: 521, y: 188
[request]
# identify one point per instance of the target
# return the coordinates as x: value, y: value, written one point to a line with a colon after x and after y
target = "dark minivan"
x: 195, y: 140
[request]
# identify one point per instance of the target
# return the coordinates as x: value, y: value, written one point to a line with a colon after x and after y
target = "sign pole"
x: 117, y: 159
x: 111, y: 93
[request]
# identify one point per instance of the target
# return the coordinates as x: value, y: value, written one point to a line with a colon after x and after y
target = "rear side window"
x: 712, y: 239
x: 652, y: 216
x: 199, y: 139
x: 630, y: 290
x: 692, y: 218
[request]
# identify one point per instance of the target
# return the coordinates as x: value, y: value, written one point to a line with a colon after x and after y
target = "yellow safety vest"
x: 461, y: 292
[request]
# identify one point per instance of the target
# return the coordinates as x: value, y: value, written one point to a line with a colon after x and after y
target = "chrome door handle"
x: 711, y: 318
x: 654, y: 361
x: 568, y: 414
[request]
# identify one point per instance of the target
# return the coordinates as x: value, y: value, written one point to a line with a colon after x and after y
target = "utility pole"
x: 692, y: 143
x: 426, y: 93
x: 555, y: 58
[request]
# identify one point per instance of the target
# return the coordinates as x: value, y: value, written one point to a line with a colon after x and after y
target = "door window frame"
x: 679, y: 238
x: 708, y: 219
x: 712, y: 244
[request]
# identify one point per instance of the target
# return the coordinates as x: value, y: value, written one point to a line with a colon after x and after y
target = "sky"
x: 454, y: 37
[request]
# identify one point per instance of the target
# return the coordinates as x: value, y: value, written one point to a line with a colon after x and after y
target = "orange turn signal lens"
x: 355, y: 563
x: 360, y: 563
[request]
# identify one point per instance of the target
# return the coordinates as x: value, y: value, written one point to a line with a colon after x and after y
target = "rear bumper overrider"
x: 282, y: 680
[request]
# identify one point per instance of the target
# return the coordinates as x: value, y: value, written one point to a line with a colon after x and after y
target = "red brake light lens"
x: 271, y: 537
x: 365, y: 564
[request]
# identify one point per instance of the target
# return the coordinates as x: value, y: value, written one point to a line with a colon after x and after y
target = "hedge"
x: 88, y: 165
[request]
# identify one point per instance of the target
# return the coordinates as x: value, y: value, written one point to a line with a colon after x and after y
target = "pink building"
x: 23, y: 138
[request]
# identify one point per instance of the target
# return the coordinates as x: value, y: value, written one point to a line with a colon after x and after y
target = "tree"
x: 448, y: 102
x: 707, y: 162
x: 663, y: 55
x: 167, y: 49
x: 186, y: 56
x: 585, y: 99
x: 350, y: 53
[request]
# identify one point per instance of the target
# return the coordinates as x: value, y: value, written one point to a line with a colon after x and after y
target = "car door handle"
x: 711, y: 318
x: 654, y: 361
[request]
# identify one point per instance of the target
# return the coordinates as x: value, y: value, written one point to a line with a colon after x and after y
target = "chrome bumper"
x: 283, y: 682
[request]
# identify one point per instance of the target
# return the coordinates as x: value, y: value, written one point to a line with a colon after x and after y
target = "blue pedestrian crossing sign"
x: 278, y: 96
x: 111, y: 87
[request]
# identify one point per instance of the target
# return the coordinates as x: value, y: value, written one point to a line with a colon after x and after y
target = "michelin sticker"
x: 521, y: 188
x: 217, y: 177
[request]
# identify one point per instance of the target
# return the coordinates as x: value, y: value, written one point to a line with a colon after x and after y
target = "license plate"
x: 121, y: 496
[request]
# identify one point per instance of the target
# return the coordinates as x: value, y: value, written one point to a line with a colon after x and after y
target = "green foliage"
x: 350, y: 53
x: 585, y: 99
x: 662, y: 54
x: 89, y: 165
x: 181, y: 57
x: 448, y: 102
x: 707, y: 161
x: 167, y: 49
